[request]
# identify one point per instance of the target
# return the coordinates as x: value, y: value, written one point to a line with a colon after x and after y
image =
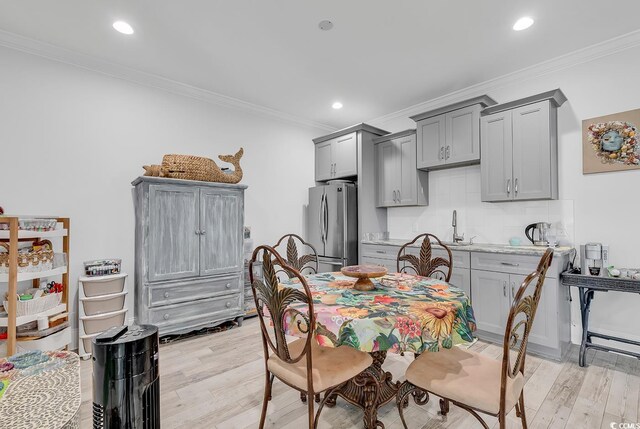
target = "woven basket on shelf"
x: 188, y: 167
x: 37, y: 305
x: 34, y: 260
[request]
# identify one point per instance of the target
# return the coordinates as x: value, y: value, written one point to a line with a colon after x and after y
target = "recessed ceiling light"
x: 523, y: 23
x: 337, y: 105
x: 325, y: 25
x: 123, y: 27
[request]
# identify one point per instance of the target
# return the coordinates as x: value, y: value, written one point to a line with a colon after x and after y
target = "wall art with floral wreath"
x: 610, y: 143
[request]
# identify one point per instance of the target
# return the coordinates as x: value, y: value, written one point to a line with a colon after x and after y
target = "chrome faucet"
x: 454, y: 223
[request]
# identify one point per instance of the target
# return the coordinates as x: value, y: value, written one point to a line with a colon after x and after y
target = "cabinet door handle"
x: 228, y: 304
x: 515, y: 187
x: 394, y: 197
x: 510, y: 264
x: 380, y: 251
x: 399, y: 198
x: 508, y: 187
x: 504, y: 288
x: 203, y: 232
x: 228, y: 285
x: 166, y: 294
x: 441, y: 153
x: 513, y: 290
x: 197, y: 232
x: 166, y: 316
x: 448, y: 152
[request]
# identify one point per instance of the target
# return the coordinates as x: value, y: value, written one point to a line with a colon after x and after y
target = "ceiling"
x: 380, y: 57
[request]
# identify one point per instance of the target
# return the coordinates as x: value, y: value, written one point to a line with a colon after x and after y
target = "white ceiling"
x: 380, y: 57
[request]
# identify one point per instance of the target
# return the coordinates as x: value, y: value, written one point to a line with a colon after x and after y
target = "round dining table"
x: 403, y: 313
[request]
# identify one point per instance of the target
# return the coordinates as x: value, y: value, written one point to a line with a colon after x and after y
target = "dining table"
x: 403, y: 313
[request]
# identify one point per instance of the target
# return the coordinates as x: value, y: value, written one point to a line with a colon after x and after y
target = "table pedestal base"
x: 370, y: 390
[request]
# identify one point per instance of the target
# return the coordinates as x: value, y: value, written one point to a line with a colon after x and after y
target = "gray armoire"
x: 189, y: 267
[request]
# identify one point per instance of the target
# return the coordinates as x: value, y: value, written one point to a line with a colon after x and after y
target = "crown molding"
x: 89, y: 62
x: 572, y: 59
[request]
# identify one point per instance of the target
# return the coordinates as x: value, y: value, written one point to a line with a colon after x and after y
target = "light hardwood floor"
x: 216, y: 381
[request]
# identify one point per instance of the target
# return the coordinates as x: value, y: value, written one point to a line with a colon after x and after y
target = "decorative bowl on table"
x: 364, y: 273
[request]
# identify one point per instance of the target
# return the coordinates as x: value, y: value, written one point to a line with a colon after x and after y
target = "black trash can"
x: 126, y: 382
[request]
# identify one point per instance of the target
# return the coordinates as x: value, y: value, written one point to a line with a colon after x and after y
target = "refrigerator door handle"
x: 326, y: 218
x: 321, y: 217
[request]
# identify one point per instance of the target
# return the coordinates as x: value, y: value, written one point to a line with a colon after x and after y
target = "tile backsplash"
x: 459, y: 189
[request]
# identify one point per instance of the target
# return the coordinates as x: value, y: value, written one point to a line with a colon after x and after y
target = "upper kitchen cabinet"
x: 520, y: 149
x: 450, y: 136
x: 398, y: 181
x: 337, y: 153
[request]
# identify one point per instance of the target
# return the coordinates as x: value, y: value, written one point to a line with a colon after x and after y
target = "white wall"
x: 602, y: 207
x: 72, y: 140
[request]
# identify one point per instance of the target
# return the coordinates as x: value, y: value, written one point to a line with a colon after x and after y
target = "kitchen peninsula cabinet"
x: 399, y: 183
x: 450, y: 136
x: 519, y: 145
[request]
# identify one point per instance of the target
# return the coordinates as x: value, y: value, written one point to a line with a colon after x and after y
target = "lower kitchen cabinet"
x: 490, y: 300
x: 493, y: 293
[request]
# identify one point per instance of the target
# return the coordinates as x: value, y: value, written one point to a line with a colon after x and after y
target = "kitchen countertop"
x: 480, y: 247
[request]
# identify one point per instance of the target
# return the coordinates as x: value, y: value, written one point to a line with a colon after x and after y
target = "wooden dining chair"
x: 301, y: 364
x: 475, y: 382
x: 426, y: 265
x: 305, y: 264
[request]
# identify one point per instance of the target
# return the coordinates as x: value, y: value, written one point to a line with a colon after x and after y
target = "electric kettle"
x: 537, y: 233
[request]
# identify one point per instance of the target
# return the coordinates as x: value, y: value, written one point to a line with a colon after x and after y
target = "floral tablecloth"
x: 403, y: 313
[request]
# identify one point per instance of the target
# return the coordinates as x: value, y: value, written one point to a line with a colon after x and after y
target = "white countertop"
x: 479, y: 247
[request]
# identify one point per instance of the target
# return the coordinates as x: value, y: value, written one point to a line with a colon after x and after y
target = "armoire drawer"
x: 194, y: 290
x: 204, y: 308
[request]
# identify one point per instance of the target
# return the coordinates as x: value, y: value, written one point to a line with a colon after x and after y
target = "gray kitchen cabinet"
x: 431, y: 135
x: 490, y: 292
x: 189, y: 242
x: 461, y: 278
x: 497, y: 164
x: 173, y: 240
x: 399, y: 183
x: 450, y: 136
x: 519, y: 144
x: 337, y: 158
x: 463, y: 135
x: 324, y: 165
x: 496, y: 278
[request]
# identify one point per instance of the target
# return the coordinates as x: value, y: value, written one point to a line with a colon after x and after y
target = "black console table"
x: 587, y: 286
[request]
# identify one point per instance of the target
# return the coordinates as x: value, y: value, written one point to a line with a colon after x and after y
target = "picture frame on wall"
x: 610, y: 143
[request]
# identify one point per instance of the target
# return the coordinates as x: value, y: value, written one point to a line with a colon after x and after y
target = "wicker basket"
x: 37, y: 305
x: 32, y: 261
x: 188, y: 167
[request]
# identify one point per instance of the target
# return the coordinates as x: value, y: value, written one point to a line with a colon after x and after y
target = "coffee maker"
x: 594, y: 258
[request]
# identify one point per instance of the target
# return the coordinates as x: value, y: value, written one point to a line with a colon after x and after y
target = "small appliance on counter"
x: 126, y: 382
x: 537, y: 233
x: 594, y: 257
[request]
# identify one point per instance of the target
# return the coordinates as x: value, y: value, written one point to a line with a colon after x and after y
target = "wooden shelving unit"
x: 14, y: 235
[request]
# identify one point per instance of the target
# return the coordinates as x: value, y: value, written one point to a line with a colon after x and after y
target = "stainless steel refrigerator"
x: 332, y: 225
